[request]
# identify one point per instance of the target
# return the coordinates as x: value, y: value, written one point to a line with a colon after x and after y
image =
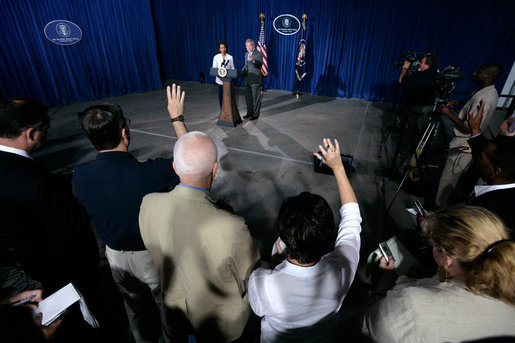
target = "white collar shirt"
x: 483, y: 189
x: 12, y: 150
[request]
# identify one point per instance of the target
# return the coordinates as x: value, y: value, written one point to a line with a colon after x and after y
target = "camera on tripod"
x: 445, y: 82
x: 411, y: 56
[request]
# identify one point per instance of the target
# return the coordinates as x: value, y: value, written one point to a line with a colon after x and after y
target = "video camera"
x: 445, y: 82
x: 411, y: 56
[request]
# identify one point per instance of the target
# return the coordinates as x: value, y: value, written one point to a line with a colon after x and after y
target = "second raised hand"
x: 331, y: 157
x: 475, y: 122
x: 175, y: 100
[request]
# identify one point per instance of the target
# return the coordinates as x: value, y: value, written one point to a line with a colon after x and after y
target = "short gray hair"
x: 250, y: 41
x: 195, y: 155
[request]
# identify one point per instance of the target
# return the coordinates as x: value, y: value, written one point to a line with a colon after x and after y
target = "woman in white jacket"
x: 222, y: 59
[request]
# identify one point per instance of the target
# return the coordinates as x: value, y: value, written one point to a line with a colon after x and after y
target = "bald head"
x: 195, y: 156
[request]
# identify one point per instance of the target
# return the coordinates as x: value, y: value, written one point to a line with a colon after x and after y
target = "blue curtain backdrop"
x: 131, y: 45
x: 117, y: 54
x: 351, y: 44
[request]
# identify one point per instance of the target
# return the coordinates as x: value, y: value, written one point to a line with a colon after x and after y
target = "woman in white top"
x: 473, y: 296
x: 300, y: 298
x: 223, y: 59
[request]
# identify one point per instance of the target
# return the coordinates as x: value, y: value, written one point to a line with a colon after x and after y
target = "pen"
x: 23, y: 301
x: 322, y: 160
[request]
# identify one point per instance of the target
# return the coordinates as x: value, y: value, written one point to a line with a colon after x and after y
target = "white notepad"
x: 53, y: 306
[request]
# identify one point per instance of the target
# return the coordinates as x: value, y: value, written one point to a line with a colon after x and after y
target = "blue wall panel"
x: 117, y: 54
x: 131, y: 45
x: 351, y: 44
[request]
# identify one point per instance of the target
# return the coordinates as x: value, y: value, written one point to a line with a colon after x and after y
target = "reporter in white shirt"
x: 222, y: 59
x: 299, y: 300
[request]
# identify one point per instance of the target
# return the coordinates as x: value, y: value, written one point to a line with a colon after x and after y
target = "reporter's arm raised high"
x: 332, y: 158
x: 176, y: 109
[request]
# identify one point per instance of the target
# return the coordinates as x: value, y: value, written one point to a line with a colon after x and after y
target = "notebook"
x: 56, y: 304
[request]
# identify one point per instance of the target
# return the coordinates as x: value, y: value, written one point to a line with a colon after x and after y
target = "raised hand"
x: 175, y: 100
x: 475, y: 122
x: 331, y: 157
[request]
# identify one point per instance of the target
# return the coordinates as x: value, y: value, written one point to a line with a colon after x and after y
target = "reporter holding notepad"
x: 471, y: 298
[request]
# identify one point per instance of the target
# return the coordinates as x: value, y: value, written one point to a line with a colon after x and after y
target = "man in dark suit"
x: 495, y: 163
x: 41, y: 218
x: 252, y: 68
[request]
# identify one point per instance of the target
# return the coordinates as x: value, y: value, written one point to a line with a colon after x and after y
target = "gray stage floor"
x: 261, y: 161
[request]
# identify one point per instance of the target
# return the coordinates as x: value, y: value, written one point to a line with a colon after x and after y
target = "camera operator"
x: 419, y: 92
x: 458, y: 161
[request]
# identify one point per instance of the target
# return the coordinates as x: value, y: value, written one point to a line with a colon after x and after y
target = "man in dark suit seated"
x: 41, y: 218
x: 495, y: 163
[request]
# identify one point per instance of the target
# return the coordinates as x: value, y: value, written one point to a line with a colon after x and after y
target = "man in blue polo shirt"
x: 111, y: 189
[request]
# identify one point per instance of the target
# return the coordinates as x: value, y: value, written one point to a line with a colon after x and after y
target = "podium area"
x: 229, y: 114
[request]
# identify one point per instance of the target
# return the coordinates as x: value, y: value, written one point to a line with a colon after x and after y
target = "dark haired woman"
x: 300, y: 298
x: 222, y: 59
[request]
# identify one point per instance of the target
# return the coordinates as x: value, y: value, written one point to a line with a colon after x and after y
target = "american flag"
x: 261, y: 46
x: 300, y: 66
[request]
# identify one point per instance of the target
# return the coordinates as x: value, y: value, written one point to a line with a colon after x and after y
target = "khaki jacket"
x: 205, y: 256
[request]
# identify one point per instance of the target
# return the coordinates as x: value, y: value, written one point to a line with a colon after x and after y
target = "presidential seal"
x: 222, y: 72
x: 63, y: 32
x: 286, y: 24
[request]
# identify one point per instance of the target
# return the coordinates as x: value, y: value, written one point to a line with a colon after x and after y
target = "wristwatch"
x: 178, y: 118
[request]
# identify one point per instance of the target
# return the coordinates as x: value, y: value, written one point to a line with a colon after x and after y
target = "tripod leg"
x: 402, y: 126
x: 414, y: 158
x: 390, y: 131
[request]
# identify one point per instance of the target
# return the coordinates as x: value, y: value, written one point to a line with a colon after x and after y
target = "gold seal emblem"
x: 222, y: 72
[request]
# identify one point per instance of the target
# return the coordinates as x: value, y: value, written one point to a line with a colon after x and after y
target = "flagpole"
x: 261, y: 47
x: 299, y: 69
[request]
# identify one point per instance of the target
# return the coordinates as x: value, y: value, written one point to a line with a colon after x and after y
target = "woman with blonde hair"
x: 473, y: 294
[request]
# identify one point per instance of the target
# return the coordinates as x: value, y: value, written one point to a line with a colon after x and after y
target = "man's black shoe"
x: 254, y: 118
x: 248, y: 115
